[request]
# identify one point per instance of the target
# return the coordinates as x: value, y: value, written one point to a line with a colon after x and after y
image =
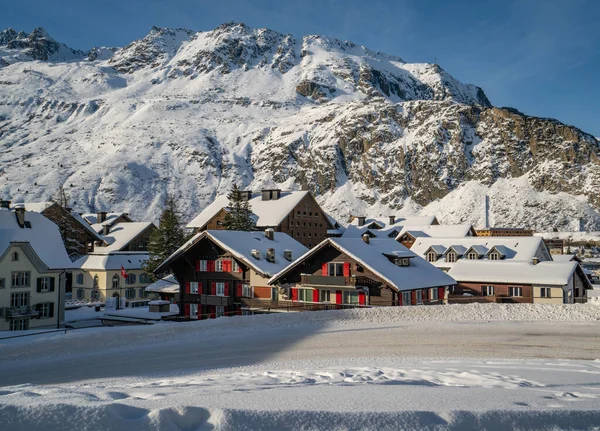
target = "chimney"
x: 105, y: 229
x: 256, y: 254
x: 5, y: 204
x: 392, y: 219
x: 246, y: 195
x: 287, y: 254
x: 20, y: 214
x: 270, y: 234
x: 266, y: 195
x: 275, y: 194
x: 361, y: 220
x: 366, y: 238
x: 271, y: 255
x: 535, y: 260
x: 101, y: 217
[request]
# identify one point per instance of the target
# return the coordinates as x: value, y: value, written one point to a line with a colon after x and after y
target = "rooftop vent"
x: 270, y: 234
x: 271, y: 255
x: 101, y: 217
x: 392, y: 219
x: 366, y: 238
x: 256, y: 254
x: 361, y: 220
x: 287, y: 254
x: 535, y: 260
x: 105, y: 229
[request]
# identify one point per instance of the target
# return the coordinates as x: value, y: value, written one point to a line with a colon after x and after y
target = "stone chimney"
x: 535, y: 260
x: 392, y: 219
x: 270, y: 234
x: 5, y: 204
x: 271, y: 255
x: 366, y: 238
x: 287, y: 254
x: 105, y: 229
x: 361, y: 220
x: 101, y: 217
x: 266, y: 195
x: 20, y: 214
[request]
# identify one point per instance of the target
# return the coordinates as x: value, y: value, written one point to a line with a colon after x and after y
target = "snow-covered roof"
x: 437, y: 231
x: 380, y: 227
x: 513, y: 248
x: 240, y: 244
x: 168, y: 284
x: 544, y: 273
x: 112, y: 261
x: 92, y: 218
x: 121, y: 235
x: 43, y: 237
x: 37, y: 207
x: 384, y: 222
x: 420, y: 273
x: 269, y: 213
x: 459, y: 249
x: 564, y: 257
x: 479, y: 249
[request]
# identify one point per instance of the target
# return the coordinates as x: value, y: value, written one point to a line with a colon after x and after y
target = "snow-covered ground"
x: 439, y: 367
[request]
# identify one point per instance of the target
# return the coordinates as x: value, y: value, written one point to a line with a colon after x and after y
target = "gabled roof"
x: 269, y: 213
x: 439, y: 249
x: 437, y: 231
x: 385, y: 228
x: 111, y: 218
x: 112, y: 261
x: 420, y: 274
x: 121, y: 235
x: 479, y: 249
x: 168, y: 284
x: 458, y: 249
x: 565, y: 258
x: 43, y: 237
x: 240, y: 244
x: 503, y: 250
x: 544, y: 273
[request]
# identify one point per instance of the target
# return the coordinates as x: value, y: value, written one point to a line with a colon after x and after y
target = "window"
x: 325, y: 295
x: 494, y: 256
x: 404, y: 261
x: 433, y: 293
x: 46, y: 310
x: 19, y: 324
x: 305, y: 295
x: 143, y: 293
x: 79, y: 278
x: 14, y: 257
x: 131, y: 278
x: 545, y: 292
x: 220, y: 311
x: 115, y: 281
x: 80, y: 293
x: 130, y: 293
x: 220, y: 289
x: 472, y: 255
x: 406, y: 298
x: 336, y: 269
x: 194, y: 287
x: 234, y: 266
x: 193, y: 309
x: 45, y: 284
x: 431, y: 256
x: 246, y: 291
x: 419, y: 296
x: 515, y: 291
x: 143, y: 278
x: 2, y: 286
x: 203, y: 266
x: 219, y: 266
x: 451, y: 257
x: 487, y: 290
x: 350, y: 297
x: 20, y: 279
x: 19, y: 299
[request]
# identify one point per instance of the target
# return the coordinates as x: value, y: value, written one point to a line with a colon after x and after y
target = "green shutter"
x: 51, y: 309
x: 51, y: 284
x: 39, y: 285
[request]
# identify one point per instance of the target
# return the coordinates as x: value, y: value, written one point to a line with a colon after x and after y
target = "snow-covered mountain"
x: 191, y: 113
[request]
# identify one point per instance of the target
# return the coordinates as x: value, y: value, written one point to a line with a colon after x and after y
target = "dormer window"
x: 432, y: 256
x: 402, y: 261
x: 472, y: 256
x: 494, y: 256
x: 451, y: 257
x: 14, y: 257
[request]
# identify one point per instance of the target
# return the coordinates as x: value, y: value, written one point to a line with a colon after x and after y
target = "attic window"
x: 14, y: 257
x: 431, y: 256
x: 494, y: 256
x: 451, y: 257
x: 402, y: 261
x: 472, y: 255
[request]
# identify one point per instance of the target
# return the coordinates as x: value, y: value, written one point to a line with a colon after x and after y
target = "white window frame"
x: 488, y: 290
x: 325, y: 295
x: 22, y: 279
x: 20, y: 299
x: 472, y: 255
x: 494, y: 256
x: 194, y: 310
x: 234, y: 266
x: 45, y: 310
x: 419, y: 297
x: 203, y: 265
x: 45, y: 284
x: 349, y: 296
x: 116, y: 282
x: 218, y: 265
x: 305, y: 295
x: 247, y: 291
x: 335, y: 267
x: 451, y: 257
x: 433, y: 294
x: 219, y: 311
x: 19, y: 324
x: 514, y: 289
x: 14, y: 257
x: 545, y: 292
x: 432, y: 256
x: 220, y: 290
x: 193, y: 287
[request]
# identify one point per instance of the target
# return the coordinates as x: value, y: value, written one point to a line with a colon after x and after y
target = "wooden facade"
x: 77, y: 239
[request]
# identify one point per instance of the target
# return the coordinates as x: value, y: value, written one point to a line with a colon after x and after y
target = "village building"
x: 384, y: 227
x: 100, y: 219
x: 223, y: 272
x: 504, y: 231
x: 295, y: 213
x: 166, y: 289
x: 33, y: 265
x: 409, y: 234
x: 363, y: 271
x: 77, y: 234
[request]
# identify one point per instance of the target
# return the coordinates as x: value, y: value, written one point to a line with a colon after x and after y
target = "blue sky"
x: 539, y: 56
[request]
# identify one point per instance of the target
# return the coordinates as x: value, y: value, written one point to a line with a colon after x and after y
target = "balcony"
x: 19, y: 312
x: 326, y: 280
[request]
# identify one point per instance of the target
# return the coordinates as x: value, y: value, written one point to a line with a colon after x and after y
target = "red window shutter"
x: 187, y: 287
x: 239, y: 290
x: 294, y: 294
x: 441, y: 292
x: 316, y: 295
x: 197, y: 264
x: 199, y: 311
x: 338, y: 297
x: 361, y: 298
x: 399, y: 298
x: 213, y: 288
x: 187, y: 310
x: 413, y: 297
x: 425, y: 294
x: 213, y: 311
x: 210, y: 265
x: 226, y: 289
x: 346, y: 269
x: 227, y: 266
x: 324, y: 269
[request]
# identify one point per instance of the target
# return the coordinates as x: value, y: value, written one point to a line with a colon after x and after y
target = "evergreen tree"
x: 63, y: 220
x: 239, y: 216
x: 165, y: 240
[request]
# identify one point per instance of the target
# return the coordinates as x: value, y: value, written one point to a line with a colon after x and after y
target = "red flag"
x: 123, y: 272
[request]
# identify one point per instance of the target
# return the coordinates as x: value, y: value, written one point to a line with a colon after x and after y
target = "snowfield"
x: 484, y: 366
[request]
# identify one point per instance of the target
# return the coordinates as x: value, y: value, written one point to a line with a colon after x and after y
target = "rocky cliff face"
x: 193, y: 112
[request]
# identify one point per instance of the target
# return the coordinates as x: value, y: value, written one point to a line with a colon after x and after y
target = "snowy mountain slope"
x: 191, y: 113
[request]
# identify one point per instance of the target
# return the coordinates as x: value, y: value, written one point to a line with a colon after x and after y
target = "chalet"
x: 33, y: 265
x: 504, y: 231
x: 222, y: 272
x: 382, y: 227
x: 295, y: 213
x: 363, y: 271
x: 409, y: 234
x: 102, y: 218
x: 77, y: 234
